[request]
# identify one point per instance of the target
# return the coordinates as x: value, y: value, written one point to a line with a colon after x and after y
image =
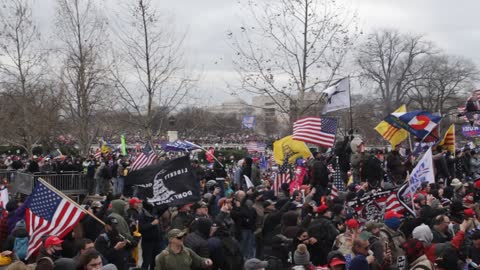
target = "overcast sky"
x: 452, y: 25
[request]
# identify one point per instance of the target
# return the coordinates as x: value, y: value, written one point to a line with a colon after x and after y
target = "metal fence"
x: 7, y: 174
x: 69, y: 183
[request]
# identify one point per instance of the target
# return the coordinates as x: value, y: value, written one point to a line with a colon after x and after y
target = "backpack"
x: 20, y: 247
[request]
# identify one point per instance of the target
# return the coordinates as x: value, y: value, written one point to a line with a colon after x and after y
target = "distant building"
x: 235, y: 106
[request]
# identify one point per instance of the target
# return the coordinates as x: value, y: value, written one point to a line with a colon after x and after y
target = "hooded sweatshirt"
x: 119, y: 212
x: 20, y: 231
x: 432, y: 251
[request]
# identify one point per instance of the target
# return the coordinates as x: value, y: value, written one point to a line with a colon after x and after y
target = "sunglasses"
x: 179, y: 237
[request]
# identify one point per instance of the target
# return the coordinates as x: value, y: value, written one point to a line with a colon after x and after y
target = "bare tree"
x: 388, y: 60
x: 22, y: 72
x: 82, y: 32
x: 150, y: 74
x: 292, y: 50
x: 444, y: 79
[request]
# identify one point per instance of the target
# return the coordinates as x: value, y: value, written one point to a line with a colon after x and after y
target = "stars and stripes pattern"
x: 385, y: 200
x: 253, y: 146
x: 282, y: 177
x: 316, y: 130
x: 144, y: 159
x: 334, y: 192
x: 48, y: 213
x: 98, y: 154
x: 393, y: 203
x: 337, y: 178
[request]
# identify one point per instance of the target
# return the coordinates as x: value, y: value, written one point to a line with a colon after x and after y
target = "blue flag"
x: 418, y: 123
x: 249, y: 122
x: 179, y: 146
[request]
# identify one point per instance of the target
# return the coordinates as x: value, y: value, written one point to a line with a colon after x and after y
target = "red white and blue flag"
x: 48, y: 213
x: 144, y: 159
x: 316, y: 130
x: 282, y: 177
x: 253, y: 146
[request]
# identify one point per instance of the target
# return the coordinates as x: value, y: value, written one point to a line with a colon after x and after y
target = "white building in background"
x: 232, y: 106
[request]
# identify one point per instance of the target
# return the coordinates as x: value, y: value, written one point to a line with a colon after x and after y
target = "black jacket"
x: 105, y: 244
x: 150, y: 233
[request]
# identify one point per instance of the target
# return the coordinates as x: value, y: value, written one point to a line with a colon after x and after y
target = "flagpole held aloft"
x: 214, y: 157
x: 59, y: 193
x: 409, y: 179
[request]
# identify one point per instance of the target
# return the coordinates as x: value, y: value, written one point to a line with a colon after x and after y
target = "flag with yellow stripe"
x: 390, y: 133
x: 448, y: 141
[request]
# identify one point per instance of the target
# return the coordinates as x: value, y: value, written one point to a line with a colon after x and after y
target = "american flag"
x: 144, y: 159
x: 334, y: 192
x: 48, y: 213
x: 283, y: 176
x: 253, y: 146
x: 337, y: 177
x: 374, y: 205
x: 316, y: 130
x: 98, y: 154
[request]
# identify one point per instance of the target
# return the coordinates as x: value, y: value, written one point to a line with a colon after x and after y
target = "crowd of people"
x: 237, y: 226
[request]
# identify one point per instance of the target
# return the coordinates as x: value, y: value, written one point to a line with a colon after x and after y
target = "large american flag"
x: 316, y: 130
x: 253, y: 146
x: 48, y: 213
x: 144, y: 159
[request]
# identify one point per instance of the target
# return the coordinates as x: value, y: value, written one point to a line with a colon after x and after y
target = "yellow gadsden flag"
x: 392, y: 134
x: 448, y: 141
x: 287, y: 146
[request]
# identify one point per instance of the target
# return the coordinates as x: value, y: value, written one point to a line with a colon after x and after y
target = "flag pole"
x: 409, y: 179
x: 59, y: 193
x: 350, y: 97
x: 205, y: 151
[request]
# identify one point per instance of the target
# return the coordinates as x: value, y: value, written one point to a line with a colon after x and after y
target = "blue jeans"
x: 118, y: 185
x: 247, y: 244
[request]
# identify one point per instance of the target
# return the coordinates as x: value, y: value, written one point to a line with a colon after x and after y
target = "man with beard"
x: 49, y: 253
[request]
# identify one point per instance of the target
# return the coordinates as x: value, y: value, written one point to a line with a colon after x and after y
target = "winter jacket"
x: 182, y: 221
x: 150, y: 233
x: 421, y: 263
x: 118, y: 212
x: 185, y: 260
x: 105, y: 244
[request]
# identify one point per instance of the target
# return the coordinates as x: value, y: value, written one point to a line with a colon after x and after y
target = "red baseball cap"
x: 336, y: 261
x: 52, y: 240
x: 469, y: 212
x: 322, y: 209
x: 134, y: 200
x: 352, y: 224
x: 392, y: 214
x: 477, y: 184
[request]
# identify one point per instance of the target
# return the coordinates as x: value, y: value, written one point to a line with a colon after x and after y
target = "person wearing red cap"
x: 337, y: 263
x: 135, y: 207
x: 49, y: 253
x: 344, y: 241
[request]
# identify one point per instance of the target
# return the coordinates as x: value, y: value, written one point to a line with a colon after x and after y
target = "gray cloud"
x: 450, y: 24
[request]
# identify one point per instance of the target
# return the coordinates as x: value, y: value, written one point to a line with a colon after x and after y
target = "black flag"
x: 171, y: 182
